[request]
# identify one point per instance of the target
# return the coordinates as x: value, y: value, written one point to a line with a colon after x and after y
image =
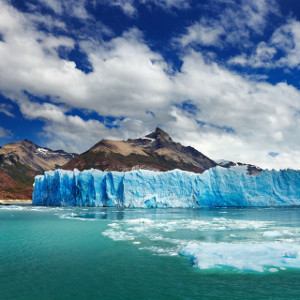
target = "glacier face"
x: 216, y: 187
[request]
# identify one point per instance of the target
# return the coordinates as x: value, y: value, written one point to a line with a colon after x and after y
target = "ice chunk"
x: 257, y: 257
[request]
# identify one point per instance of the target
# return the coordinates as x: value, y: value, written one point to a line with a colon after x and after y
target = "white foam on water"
x: 272, y: 234
x: 140, y: 221
x: 12, y: 207
x: 114, y: 225
x: 187, y: 224
x: 73, y: 216
x: 118, y: 235
x: 278, y: 234
x: 31, y: 208
x: 273, y: 270
x: 161, y: 251
x: 259, y: 257
x: 68, y: 214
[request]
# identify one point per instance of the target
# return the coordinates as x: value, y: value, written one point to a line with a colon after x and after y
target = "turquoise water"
x: 53, y: 253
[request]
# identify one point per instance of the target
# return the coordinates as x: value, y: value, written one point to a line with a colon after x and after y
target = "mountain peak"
x: 155, y: 151
x: 27, y: 142
x: 21, y: 144
x: 159, y: 134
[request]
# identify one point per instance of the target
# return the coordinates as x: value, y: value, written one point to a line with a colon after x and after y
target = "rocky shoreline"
x: 16, y: 202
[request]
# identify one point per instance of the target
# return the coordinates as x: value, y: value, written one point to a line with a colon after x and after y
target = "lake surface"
x: 109, y: 253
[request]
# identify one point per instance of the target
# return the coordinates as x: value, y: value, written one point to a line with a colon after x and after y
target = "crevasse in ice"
x: 216, y: 187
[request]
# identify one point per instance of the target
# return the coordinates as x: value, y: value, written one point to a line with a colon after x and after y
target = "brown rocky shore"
x: 15, y: 202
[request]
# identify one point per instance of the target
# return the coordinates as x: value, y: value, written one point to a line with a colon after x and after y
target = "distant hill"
x: 20, y: 162
x: 155, y: 151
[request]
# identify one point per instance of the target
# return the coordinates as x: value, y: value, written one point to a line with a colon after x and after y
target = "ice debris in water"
x: 259, y: 257
x: 255, y: 246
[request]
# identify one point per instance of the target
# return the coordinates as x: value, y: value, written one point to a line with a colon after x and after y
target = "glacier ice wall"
x: 217, y: 187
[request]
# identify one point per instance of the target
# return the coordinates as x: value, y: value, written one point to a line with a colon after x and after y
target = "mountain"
x: 156, y: 151
x: 20, y: 162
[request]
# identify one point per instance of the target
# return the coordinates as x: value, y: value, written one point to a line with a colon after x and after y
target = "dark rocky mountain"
x: 20, y: 162
x: 252, y: 169
x: 156, y: 151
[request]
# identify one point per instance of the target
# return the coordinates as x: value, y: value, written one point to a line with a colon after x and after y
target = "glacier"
x: 216, y: 187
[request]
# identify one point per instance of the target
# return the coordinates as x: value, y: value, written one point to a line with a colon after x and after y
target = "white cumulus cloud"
x: 237, y: 117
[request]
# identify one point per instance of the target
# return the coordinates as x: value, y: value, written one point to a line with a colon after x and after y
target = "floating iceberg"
x: 259, y: 257
x: 216, y: 187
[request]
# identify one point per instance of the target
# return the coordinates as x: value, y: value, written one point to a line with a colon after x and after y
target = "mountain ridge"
x: 21, y: 161
x: 155, y: 151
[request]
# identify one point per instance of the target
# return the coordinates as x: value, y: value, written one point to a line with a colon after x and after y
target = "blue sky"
x: 220, y: 75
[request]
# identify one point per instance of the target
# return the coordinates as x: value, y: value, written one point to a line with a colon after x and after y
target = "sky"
x: 219, y: 75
